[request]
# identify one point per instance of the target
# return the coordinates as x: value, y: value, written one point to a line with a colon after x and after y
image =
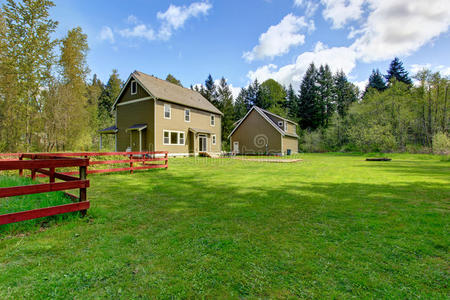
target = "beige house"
x: 155, y: 115
x: 263, y: 132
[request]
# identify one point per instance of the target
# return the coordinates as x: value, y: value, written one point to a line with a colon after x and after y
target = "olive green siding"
x: 290, y: 143
x: 126, y: 94
x: 254, y: 133
x: 291, y: 128
x: 141, y: 112
x: 199, y: 119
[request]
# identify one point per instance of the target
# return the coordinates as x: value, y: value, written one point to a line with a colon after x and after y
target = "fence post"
x: 83, y: 194
x: 20, y: 170
x: 52, y: 175
x: 33, y: 171
x: 167, y: 160
x: 131, y: 164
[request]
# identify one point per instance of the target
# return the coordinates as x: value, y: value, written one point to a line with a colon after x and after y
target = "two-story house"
x: 263, y: 132
x: 155, y: 115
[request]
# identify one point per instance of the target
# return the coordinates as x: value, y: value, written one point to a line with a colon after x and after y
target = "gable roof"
x: 170, y: 92
x: 264, y: 113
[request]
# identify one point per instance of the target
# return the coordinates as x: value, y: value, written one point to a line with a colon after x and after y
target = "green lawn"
x: 331, y: 226
x: 27, y: 202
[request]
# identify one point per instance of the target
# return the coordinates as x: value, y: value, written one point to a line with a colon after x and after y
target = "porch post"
x: 115, y: 141
x: 101, y: 141
x: 140, y: 140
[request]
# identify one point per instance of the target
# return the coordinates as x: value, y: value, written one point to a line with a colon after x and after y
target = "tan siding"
x: 290, y: 143
x: 135, y: 113
x: 126, y: 95
x: 199, y: 119
x: 251, y: 127
x: 291, y: 128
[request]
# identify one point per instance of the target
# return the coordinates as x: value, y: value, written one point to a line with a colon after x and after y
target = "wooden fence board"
x: 43, y: 212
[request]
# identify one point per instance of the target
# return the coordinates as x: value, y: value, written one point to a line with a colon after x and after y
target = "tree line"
x: 48, y: 103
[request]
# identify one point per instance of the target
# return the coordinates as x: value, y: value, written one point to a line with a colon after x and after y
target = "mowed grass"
x: 28, y: 202
x: 331, y: 226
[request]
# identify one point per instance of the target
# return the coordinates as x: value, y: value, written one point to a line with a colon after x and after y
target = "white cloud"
x: 400, y: 27
x: 342, y: 11
x: 338, y: 58
x: 175, y: 16
x: 106, y: 34
x: 172, y: 19
x: 309, y: 5
x: 139, y: 31
x: 278, y: 39
x: 392, y: 28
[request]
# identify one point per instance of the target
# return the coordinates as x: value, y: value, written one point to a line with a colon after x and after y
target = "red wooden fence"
x: 130, y: 158
x: 46, y: 164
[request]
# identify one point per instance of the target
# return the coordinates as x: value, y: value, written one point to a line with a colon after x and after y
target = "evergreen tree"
x: 327, y: 94
x: 292, y: 103
x: 225, y: 99
x: 107, y: 98
x: 397, y: 71
x: 209, y: 91
x: 252, y: 94
x: 240, y: 105
x: 376, y: 81
x: 309, y: 111
x: 346, y: 93
x: 170, y: 78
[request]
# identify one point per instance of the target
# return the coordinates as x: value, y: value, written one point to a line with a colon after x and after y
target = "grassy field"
x: 331, y: 226
x: 27, y: 202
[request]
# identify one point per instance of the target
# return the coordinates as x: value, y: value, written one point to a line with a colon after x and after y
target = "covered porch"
x: 112, y: 130
x: 199, y: 140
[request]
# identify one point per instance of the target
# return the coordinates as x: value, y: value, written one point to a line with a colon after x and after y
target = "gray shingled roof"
x: 165, y: 90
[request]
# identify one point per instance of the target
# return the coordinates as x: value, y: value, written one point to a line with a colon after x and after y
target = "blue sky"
x: 243, y: 40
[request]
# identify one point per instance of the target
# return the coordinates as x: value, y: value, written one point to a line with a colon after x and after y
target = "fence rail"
x: 46, y: 164
x: 131, y: 158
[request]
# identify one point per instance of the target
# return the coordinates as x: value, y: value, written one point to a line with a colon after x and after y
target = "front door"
x: 202, y: 143
x: 236, y: 147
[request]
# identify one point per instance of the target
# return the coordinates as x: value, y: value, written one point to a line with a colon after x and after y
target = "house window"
x: 167, y: 111
x: 181, y: 138
x: 173, y: 137
x: 166, y: 140
x: 213, y: 120
x: 213, y: 139
x: 280, y: 123
x: 187, y: 115
x: 133, y: 87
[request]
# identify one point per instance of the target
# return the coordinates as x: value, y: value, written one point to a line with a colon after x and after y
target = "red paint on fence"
x: 39, y: 164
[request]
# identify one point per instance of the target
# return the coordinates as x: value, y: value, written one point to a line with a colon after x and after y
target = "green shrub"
x: 312, y: 142
x: 375, y: 138
x: 441, y: 143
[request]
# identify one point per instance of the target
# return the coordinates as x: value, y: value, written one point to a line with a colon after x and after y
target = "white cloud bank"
x: 392, y: 28
x: 278, y: 39
x: 172, y: 19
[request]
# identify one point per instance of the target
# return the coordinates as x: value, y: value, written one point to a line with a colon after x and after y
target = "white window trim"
x: 213, y: 139
x: 211, y: 118
x: 187, y: 109
x: 285, y: 126
x: 170, y: 111
x: 280, y: 123
x: 131, y: 87
x: 178, y: 137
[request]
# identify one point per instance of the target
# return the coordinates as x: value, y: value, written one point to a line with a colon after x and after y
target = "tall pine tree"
x: 309, y: 111
x: 225, y: 99
x: 327, y: 94
x: 107, y: 98
x: 376, y: 81
x: 240, y: 105
x: 346, y: 93
x: 292, y: 103
x: 397, y: 71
